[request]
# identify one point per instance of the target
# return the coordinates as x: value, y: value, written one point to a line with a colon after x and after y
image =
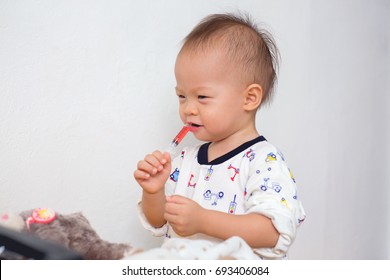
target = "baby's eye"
x: 181, y: 98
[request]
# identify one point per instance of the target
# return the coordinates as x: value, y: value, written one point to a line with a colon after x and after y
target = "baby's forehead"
x: 218, y: 55
x: 202, y: 51
x: 217, y: 60
x: 216, y: 51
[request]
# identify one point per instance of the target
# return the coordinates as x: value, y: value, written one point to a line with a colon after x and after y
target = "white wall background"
x: 86, y: 90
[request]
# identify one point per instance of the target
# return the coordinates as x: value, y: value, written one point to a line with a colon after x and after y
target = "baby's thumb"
x: 167, y: 156
x: 168, y: 160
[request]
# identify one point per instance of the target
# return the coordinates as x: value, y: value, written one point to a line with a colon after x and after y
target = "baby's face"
x: 210, y: 92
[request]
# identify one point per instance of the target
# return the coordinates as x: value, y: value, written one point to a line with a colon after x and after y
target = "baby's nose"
x: 191, y: 108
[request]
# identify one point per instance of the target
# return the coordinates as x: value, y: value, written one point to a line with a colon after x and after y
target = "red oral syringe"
x: 179, y: 137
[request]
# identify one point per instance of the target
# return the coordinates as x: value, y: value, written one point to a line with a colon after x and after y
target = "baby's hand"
x: 153, y: 172
x: 185, y: 216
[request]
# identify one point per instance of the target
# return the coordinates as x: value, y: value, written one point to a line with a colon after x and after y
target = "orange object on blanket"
x: 41, y: 216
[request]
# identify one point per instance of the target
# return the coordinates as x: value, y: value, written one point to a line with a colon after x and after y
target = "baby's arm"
x: 151, y: 175
x: 187, y: 217
x: 257, y: 230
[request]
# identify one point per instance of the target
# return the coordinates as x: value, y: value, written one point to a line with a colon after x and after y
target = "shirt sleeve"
x: 272, y: 192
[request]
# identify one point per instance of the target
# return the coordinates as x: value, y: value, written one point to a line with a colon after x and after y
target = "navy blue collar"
x: 203, y: 152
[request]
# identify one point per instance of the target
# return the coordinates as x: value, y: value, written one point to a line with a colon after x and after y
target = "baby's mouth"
x: 194, y: 126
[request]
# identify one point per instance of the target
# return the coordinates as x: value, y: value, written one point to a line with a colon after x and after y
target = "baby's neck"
x: 220, y: 148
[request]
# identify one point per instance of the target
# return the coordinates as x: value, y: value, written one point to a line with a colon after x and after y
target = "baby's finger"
x: 172, y: 208
x: 160, y: 156
x: 141, y: 175
x: 146, y: 167
x: 155, y: 159
x: 170, y: 218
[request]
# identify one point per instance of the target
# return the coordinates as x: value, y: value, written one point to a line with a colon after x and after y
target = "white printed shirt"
x: 252, y: 178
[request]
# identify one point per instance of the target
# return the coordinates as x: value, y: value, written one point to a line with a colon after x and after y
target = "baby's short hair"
x: 253, y: 48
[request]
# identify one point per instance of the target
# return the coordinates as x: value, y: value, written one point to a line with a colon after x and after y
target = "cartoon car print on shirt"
x: 270, y: 157
x: 175, y: 175
x: 274, y: 186
x: 208, y: 195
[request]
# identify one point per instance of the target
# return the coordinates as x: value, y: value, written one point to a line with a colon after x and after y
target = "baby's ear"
x: 253, y: 97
